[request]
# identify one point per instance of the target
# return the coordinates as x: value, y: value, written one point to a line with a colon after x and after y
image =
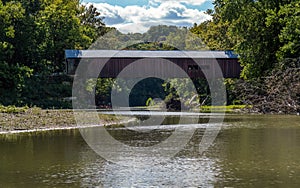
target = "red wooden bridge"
x: 194, y: 63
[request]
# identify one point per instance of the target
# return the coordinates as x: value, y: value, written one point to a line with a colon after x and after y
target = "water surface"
x: 249, y: 151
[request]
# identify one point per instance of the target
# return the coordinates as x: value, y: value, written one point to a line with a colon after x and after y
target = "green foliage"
x: 214, y: 34
x: 102, y: 90
x: 145, y: 89
x: 159, y: 37
x: 61, y: 28
x: 262, y: 32
x: 10, y: 12
x: 13, y: 109
x: 150, y: 46
x: 172, y: 91
x: 92, y: 25
x: 182, y: 90
x: 226, y: 109
x: 47, y: 92
x: 289, y: 15
x: 232, y: 97
x: 33, y: 37
x: 183, y: 39
x: 159, y: 33
x: 12, y: 82
x: 115, y: 40
x: 149, y: 102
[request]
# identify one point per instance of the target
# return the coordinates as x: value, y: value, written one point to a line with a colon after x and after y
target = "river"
x: 249, y: 151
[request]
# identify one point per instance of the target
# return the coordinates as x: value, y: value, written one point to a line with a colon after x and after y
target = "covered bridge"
x: 115, y: 61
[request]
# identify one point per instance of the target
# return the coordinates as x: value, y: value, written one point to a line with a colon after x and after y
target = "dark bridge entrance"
x: 115, y: 61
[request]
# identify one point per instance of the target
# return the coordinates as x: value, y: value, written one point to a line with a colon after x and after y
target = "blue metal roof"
x: 74, y: 54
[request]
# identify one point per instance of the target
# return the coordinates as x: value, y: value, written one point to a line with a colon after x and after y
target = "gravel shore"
x: 38, y: 119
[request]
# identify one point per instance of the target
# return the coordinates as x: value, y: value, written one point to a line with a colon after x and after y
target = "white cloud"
x: 139, y: 19
x: 191, y: 2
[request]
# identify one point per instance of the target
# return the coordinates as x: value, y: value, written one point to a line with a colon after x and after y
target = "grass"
x: 226, y: 109
x: 13, y: 109
x: 208, y: 109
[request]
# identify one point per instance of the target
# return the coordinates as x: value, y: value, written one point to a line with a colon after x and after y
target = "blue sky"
x: 138, y: 15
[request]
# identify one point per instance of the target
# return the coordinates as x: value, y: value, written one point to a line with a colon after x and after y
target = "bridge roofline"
x: 78, y: 54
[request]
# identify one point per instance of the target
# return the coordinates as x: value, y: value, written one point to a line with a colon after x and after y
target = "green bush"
x: 12, y: 109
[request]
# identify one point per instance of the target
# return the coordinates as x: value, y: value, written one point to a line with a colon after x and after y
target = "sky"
x: 136, y: 16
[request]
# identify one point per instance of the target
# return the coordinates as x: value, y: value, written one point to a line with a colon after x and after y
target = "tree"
x: 60, y: 27
x: 262, y: 32
x: 91, y: 22
x: 12, y: 74
x: 33, y: 37
x: 214, y: 34
x: 10, y: 12
x: 289, y: 17
x: 159, y: 33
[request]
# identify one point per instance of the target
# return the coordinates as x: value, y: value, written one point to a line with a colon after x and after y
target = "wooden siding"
x: 230, y: 67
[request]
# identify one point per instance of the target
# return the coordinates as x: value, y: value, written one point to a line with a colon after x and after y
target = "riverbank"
x: 23, y: 119
x: 13, y: 120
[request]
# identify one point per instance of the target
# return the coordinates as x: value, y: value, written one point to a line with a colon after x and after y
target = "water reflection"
x: 260, y: 151
x: 179, y: 172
